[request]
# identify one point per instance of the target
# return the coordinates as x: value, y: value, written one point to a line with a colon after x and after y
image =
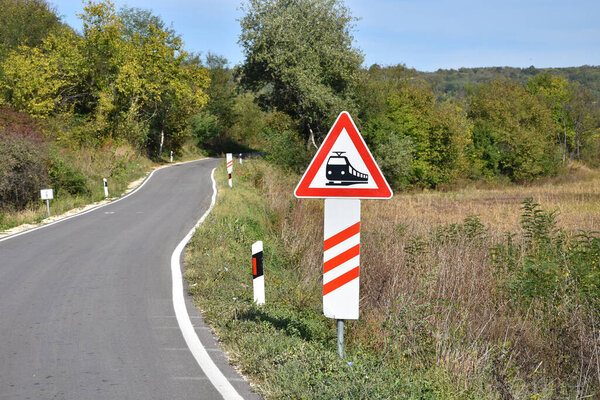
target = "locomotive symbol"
x: 341, y: 173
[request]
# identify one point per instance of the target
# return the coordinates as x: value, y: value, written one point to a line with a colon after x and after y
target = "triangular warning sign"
x: 343, y: 167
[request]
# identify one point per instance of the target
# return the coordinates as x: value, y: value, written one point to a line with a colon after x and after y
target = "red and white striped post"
x: 258, y: 278
x: 343, y: 171
x: 229, y: 158
x: 341, y: 263
x: 341, y: 258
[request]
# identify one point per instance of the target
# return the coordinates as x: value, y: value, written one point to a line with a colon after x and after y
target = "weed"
x: 456, y: 306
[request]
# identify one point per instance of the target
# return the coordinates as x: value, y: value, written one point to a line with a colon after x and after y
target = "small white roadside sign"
x: 47, y: 194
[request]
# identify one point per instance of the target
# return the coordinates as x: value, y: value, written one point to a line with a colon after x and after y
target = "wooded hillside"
x: 127, y: 79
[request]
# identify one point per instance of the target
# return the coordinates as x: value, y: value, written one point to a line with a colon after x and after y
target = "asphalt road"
x: 86, y: 309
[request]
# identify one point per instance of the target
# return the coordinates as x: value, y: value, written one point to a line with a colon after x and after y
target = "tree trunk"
x: 311, y: 138
x: 565, y: 142
x: 162, y: 141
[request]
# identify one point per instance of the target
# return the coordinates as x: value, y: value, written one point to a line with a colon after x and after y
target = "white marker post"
x: 171, y: 155
x: 229, y: 158
x: 240, y: 158
x: 47, y: 195
x: 342, y: 172
x: 105, y: 187
x: 258, y: 278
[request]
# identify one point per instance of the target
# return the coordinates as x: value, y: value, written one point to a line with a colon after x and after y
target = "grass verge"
x: 85, y: 168
x: 458, y: 306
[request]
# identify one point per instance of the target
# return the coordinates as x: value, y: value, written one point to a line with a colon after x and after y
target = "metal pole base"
x: 340, y: 337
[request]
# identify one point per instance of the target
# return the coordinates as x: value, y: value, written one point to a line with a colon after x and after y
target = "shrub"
x: 395, y: 157
x: 287, y: 149
x: 65, y: 177
x: 205, y: 127
x: 22, y: 170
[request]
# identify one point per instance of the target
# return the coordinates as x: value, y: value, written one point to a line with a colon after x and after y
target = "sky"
x: 423, y: 34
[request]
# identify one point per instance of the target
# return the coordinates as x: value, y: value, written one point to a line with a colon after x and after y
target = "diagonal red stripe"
x: 341, y: 258
x: 340, y: 281
x: 342, y: 236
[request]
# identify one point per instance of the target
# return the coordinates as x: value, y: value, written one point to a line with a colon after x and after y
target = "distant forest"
x: 127, y: 80
x: 453, y: 83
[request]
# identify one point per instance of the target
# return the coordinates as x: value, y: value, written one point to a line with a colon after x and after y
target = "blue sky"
x: 423, y: 34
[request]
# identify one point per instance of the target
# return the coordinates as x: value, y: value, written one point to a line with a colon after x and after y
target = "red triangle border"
x: 383, y: 190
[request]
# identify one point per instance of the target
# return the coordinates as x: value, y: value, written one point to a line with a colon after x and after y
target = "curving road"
x: 86, y: 309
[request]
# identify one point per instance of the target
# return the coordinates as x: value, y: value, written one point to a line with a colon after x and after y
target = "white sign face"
x: 46, y: 194
x: 345, y: 157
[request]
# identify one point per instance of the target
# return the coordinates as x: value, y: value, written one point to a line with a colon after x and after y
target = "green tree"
x: 222, y: 90
x: 554, y: 91
x: 300, y: 60
x: 26, y: 23
x: 137, y: 22
x: 513, y: 131
x: 133, y: 85
x: 45, y: 80
x: 416, y: 140
x: 584, y: 114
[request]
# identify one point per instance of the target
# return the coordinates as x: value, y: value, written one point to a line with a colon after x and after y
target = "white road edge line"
x: 100, y: 206
x: 208, y: 366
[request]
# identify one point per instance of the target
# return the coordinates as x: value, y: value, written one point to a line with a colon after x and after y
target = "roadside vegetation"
x: 76, y: 107
x: 480, y: 279
x: 466, y: 294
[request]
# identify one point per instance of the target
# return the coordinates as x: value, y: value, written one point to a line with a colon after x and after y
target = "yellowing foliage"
x: 127, y: 86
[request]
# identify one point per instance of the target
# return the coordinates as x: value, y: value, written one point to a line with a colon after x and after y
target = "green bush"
x: 395, y: 157
x: 22, y: 170
x: 205, y: 127
x: 287, y: 149
x: 64, y: 177
x: 545, y: 262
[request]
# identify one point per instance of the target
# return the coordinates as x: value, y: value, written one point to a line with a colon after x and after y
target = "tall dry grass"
x: 435, y: 294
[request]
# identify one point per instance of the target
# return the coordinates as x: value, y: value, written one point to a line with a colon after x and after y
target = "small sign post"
x: 240, y: 158
x: 171, y: 155
x: 47, y: 194
x: 258, y: 277
x: 342, y: 172
x: 104, y: 181
x: 229, y: 158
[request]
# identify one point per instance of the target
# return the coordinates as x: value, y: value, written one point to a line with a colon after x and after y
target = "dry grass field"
x: 474, y: 293
x: 438, y: 287
x: 576, y: 198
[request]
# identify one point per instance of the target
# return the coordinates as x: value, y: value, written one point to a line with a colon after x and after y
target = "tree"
x: 299, y: 58
x: 26, y: 23
x: 513, y: 131
x: 222, y: 90
x: 416, y: 139
x: 45, y: 80
x: 137, y: 22
x: 554, y: 91
x: 584, y: 115
x: 131, y: 84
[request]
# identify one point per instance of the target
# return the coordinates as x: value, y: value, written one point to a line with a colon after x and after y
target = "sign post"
x: 229, y: 159
x: 342, y: 172
x: 47, y: 194
x: 258, y: 277
x: 105, y: 187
